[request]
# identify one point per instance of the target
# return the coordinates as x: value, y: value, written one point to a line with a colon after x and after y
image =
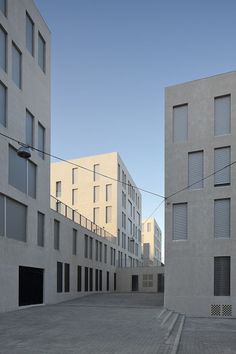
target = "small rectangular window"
x: 96, y: 215
x: 16, y: 66
x: 180, y: 221
x: 3, y: 105
x: 96, y: 170
x: 41, y: 140
x: 29, y: 129
x: 221, y: 276
x: 58, y: 189
x: 74, y: 196
x: 3, y: 49
x: 79, y: 278
x: 40, y: 230
x: 222, y: 159
x: 85, y: 246
x: 180, y: 123
x: 74, y: 175
x: 59, y: 276
x: 148, y: 227
x: 108, y: 214
x: 222, y: 218
x: 67, y: 277
x: 195, y: 170
x: 96, y: 190
x: 74, y: 242
x: 108, y: 192
x: 17, y: 212
x: 3, y: 7
x: 29, y: 34
x: 41, y: 52
x: 56, y: 235
x: 222, y: 113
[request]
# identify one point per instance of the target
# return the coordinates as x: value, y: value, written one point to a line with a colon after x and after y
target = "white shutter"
x: 180, y: 221
x: 195, y: 170
x: 180, y: 123
x: 222, y: 115
x: 222, y: 159
x: 222, y: 218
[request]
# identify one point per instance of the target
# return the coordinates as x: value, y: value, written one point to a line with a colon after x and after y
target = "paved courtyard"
x: 113, y: 324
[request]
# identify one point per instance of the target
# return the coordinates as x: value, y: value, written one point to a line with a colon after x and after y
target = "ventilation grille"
x: 221, y: 310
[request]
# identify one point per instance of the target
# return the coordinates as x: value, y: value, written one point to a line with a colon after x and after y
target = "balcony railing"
x: 73, y: 215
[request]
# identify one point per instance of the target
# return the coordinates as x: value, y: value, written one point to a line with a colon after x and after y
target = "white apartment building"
x: 200, y: 140
x: 151, y: 241
x: 114, y: 203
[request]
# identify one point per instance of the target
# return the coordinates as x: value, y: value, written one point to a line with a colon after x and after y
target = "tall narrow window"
x: 100, y: 280
x: 17, y: 212
x: 17, y: 171
x: 74, y: 196
x: 3, y: 49
x: 180, y: 221
x: 32, y: 178
x: 222, y: 159
x: 59, y: 276
x: 222, y: 115
x: 29, y: 34
x: 195, y: 170
x: 108, y: 277
x: 96, y: 215
x: 58, y: 189
x: 108, y: 214
x: 56, y: 235
x: 108, y: 192
x: 74, y: 175
x: 74, y: 242
x: 85, y: 278
x: 3, y: 105
x: 100, y: 251
x: 96, y: 250
x: 2, y: 215
x: 3, y: 7
x: 96, y: 170
x: 96, y: 190
x: 16, y: 66
x: 79, y: 278
x: 85, y: 246
x: 96, y: 280
x: 67, y: 277
x: 41, y: 52
x: 90, y: 247
x: 222, y: 218
x: 148, y: 227
x: 41, y: 140
x: 221, y: 276
x: 105, y: 254
x: 180, y: 123
x: 40, y: 230
x: 118, y: 173
x: 29, y: 129
x: 90, y: 279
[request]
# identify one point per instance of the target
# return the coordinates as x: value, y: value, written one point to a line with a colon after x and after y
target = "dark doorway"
x: 160, y: 283
x: 30, y: 286
x: 114, y: 281
x: 134, y: 282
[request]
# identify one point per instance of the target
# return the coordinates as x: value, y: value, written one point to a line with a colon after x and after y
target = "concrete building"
x: 200, y: 228
x: 152, y: 242
x: 113, y: 204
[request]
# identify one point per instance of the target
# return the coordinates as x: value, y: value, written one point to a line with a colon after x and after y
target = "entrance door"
x: 134, y: 282
x: 30, y: 286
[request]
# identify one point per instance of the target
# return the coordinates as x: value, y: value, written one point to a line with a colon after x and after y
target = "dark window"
x: 108, y: 278
x: 86, y: 279
x: 67, y: 277
x: 90, y: 279
x: 114, y: 281
x: 221, y: 276
x: 85, y: 246
x: 3, y: 7
x: 59, y: 276
x: 16, y: 66
x: 79, y: 278
x: 40, y: 233
x: 90, y: 247
x: 56, y: 235
x: 96, y: 279
x: 100, y: 280
x: 41, y: 52
x: 3, y: 104
x: 29, y: 34
x: 3, y: 49
x: 74, y: 242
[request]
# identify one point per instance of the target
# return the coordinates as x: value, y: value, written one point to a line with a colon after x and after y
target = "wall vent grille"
x: 221, y: 310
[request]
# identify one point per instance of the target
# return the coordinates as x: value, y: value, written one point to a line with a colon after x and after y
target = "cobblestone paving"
x: 208, y: 336
x: 96, y: 324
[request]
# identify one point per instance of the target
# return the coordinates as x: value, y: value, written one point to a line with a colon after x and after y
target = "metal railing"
x: 73, y: 215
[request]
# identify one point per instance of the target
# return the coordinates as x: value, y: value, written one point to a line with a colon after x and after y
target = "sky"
x: 111, y: 62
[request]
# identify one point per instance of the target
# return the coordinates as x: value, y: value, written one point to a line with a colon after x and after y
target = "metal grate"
x: 226, y: 310
x: 215, y: 310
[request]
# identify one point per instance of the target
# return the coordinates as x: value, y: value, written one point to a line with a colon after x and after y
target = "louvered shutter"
x: 180, y: 123
x: 180, y: 221
x: 222, y: 218
x: 222, y: 115
x: 195, y: 170
x: 222, y: 159
x: 222, y: 276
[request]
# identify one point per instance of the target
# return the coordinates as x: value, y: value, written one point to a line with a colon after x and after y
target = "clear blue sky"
x: 111, y: 60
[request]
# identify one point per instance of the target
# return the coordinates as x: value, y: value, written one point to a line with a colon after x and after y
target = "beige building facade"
x: 114, y: 203
x: 151, y: 241
x: 200, y: 146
